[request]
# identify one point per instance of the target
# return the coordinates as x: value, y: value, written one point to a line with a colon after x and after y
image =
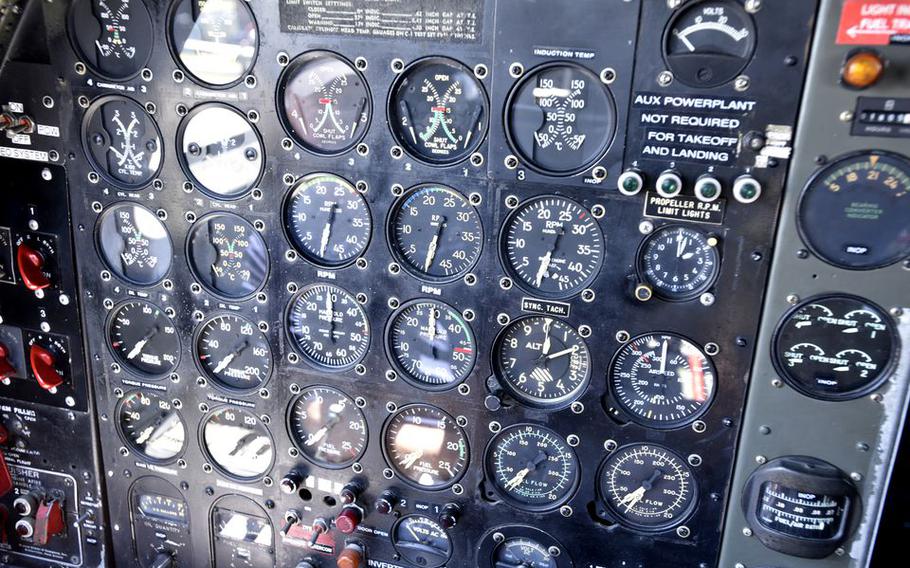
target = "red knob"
x: 350, y: 557
x: 48, y: 522
x: 43, y: 367
x: 6, y: 368
x: 31, y: 268
x: 348, y: 519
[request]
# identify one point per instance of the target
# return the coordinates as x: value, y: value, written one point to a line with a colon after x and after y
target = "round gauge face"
x: 709, y: 43
x: 678, y: 262
x: 438, y: 111
x: 435, y: 233
x: 151, y: 426
x: 327, y: 220
x: 421, y: 541
x: 835, y: 347
x: 113, y: 38
x: 122, y: 142
x: 523, y: 553
x: 233, y: 353
x: 214, y: 40
x: 662, y: 380
x: 328, y: 326
x: 542, y: 362
x: 552, y: 246
x: 647, y: 487
x: 560, y: 119
x: 425, y: 447
x: 238, y: 443
x: 143, y: 338
x: 221, y: 152
x: 431, y: 345
x: 531, y: 467
x: 134, y: 244
x: 327, y: 427
x: 324, y: 103
x: 867, y: 197
x: 227, y: 255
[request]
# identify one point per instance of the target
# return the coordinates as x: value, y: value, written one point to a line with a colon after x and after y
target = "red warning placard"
x: 874, y: 22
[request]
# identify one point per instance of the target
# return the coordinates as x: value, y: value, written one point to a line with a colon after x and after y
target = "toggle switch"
x: 48, y: 522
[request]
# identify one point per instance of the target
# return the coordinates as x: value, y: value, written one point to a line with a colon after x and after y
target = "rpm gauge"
x: 678, y: 262
x: 238, y: 443
x: 151, y: 426
x: 233, y: 353
x: 134, y: 244
x: 426, y: 447
x: 328, y: 326
x: 328, y: 427
x: 122, y: 142
x: 113, y: 37
x: 227, y: 255
x: 421, y: 541
x: 143, y: 338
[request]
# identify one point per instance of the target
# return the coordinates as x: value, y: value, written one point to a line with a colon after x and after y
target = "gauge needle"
x: 663, y: 358
x: 318, y: 435
x: 416, y: 536
x: 521, y: 475
x: 634, y: 497
x: 411, y: 458
x: 360, y: 107
x: 547, y: 258
x: 223, y: 364
x: 243, y: 443
x: 545, y: 346
x: 327, y: 230
x: 475, y: 123
x: 140, y: 345
x: 163, y: 428
x: 434, y: 245
x: 563, y: 353
x: 329, y: 316
x: 406, y: 109
x: 431, y: 325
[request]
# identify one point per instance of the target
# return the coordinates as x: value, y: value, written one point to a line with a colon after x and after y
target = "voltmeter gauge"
x: 143, y: 338
x: 114, y: 38
x: 662, y: 380
x: 328, y: 427
x: 237, y: 443
x: 327, y: 220
x: 552, y: 246
x: 709, y: 43
x: 122, y: 142
x: 679, y: 263
x: 134, y: 244
x: 542, y: 362
x: 233, y: 353
x: 216, y: 41
x: 867, y: 197
x: 151, y: 426
x: 324, y: 103
x: 835, y: 347
x: 531, y: 467
x: 647, y: 487
x: 227, y: 255
x: 560, y: 119
x: 421, y: 541
x: 425, y: 447
x: 328, y: 326
x: 520, y: 546
x: 438, y: 111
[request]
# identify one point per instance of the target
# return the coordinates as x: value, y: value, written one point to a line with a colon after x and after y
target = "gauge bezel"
x: 394, y: 531
x: 489, y: 544
x: 641, y: 271
x: 187, y: 433
x: 71, y: 36
x: 216, y: 382
x: 108, y: 326
x: 217, y: 467
x: 297, y: 444
x: 99, y: 247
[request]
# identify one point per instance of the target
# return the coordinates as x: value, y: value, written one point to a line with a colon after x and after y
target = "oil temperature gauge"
x: 151, y: 426
x: 421, y: 541
x: 328, y: 427
x: 233, y: 353
x: 134, y: 244
x: 426, y: 447
x: 122, y: 142
x: 143, y: 338
x: 113, y: 37
x: 227, y: 255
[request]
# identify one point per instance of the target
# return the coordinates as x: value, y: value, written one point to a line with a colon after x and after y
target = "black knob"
x: 386, y: 502
x: 290, y: 483
x: 163, y: 560
x: 448, y: 518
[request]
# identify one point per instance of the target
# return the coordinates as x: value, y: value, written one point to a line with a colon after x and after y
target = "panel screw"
x: 664, y: 78
x: 846, y: 116
x: 741, y: 83
x: 747, y: 531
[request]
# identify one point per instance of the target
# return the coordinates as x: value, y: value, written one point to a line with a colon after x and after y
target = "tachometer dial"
x: 238, y: 443
x: 327, y: 427
x: 151, y: 426
x: 438, y: 111
x: 143, y: 338
x: 328, y: 327
x: 426, y: 447
x: 678, y: 262
x: 421, y: 541
x: 233, y: 353
x: 134, y: 244
x: 227, y: 255
x: 113, y: 37
x: 122, y: 142
x: 324, y: 103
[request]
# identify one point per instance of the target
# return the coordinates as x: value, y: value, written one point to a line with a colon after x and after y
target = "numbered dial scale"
x: 114, y: 37
x: 425, y: 447
x: 233, y: 353
x: 421, y: 541
x: 237, y: 443
x: 134, y: 244
x: 122, y: 142
x: 143, y: 338
x: 328, y: 427
x: 328, y: 326
x: 151, y: 426
x: 520, y: 546
x: 227, y: 255
x: 679, y: 263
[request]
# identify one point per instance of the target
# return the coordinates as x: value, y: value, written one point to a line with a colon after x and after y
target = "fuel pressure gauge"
x: 426, y: 447
x: 328, y: 427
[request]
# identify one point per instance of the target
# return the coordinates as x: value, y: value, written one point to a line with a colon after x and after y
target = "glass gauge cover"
x: 324, y: 103
x: 560, y: 119
x: 425, y: 447
x: 327, y: 427
x: 122, y: 142
x: 327, y: 220
x: 542, y: 362
x: 679, y: 263
x: 151, y: 426
x: 430, y: 344
x: 866, y: 196
x: 521, y: 546
x: 227, y: 255
x: 238, y: 443
x: 531, y: 467
x: 522, y: 552
x: 438, y: 111
x: 328, y: 326
x: 835, y: 347
x: 113, y: 38
x: 216, y: 41
x: 134, y: 244
x: 421, y: 541
x: 435, y: 233
x: 662, y: 380
x: 552, y: 246
x: 143, y: 338
x: 233, y: 353
x: 221, y: 152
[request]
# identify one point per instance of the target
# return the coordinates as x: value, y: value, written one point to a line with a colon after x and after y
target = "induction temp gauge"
x: 227, y: 255
x: 426, y: 447
x: 438, y: 111
x: 835, y: 347
x: 134, y: 244
x: 552, y: 246
x: 151, y: 426
x: 421, y: 541
x: 122, y: 142
x: 113, y: 38
x: 327, y: 325
x: 662, y: 380
x: 679, y: 263
x: 521, y: 546
x: 238, y: 443
x: 143, y: 338
x: 324, y: 103
x: 328, y: 427
x: 233, y: 353
x: 867, y: 197
x: 327, y: 220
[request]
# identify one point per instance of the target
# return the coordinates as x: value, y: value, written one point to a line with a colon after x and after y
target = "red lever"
x: 6, y: 368
x: 48, y: 522
x: 31, y: 268
x: 6, y: 480
x: 42, y: 362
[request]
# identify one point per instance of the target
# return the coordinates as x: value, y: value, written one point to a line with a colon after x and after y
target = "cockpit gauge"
x: 134, y: 244
x: 324, y: 103
x: 425, y: 447
x: 160, y: 519
x: 114, y: 38
x: 421, y: 541
x: 216, y: 41
x: 227, y: 255
x: 522, y: 552
x: 867, y: 197
x: 238, y: 443
x: 521, y: 546
x: 328, y: 326
x: 151, y: 426
x: 328, y: 427
x: 122, y: 142
x: 560, y: 119
x: 143, y: 338
x: 709, y: 43
x: 233, y: 353
x: 221, y: 152
x: 835, y: 347
x: 679, y: 263
x: 438, y: 111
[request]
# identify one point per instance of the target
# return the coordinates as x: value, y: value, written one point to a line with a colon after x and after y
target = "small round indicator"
x: 421, y: 541
x: 426, y: 447
x: 151, y: 426
x: 114, y: 38
x: 679, y: 263
x: 327, y: 427
x: 238, y: 443
x: 521, y: 546
x: 134, y: 244
x: 328, y: 326
x: 227, y: 255
x: 143, y: 338
x: 233, y: 353
x: 122, y: 142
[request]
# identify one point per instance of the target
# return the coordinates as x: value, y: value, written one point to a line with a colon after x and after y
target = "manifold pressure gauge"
x: 328, y: 326
x: 679, y: 263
